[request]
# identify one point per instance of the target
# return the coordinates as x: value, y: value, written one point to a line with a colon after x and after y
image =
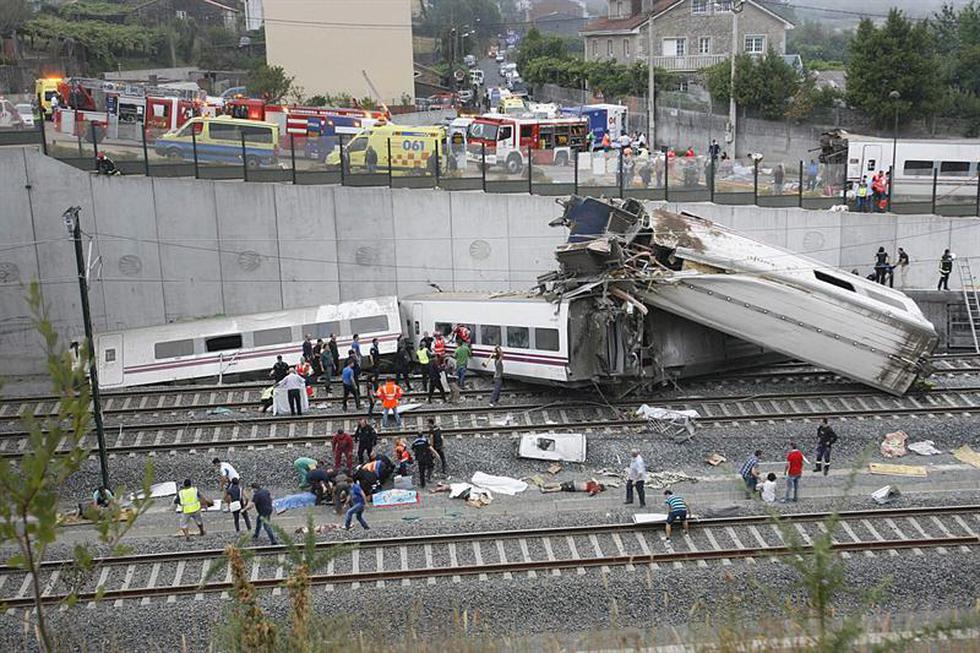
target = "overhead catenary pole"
x: 730, y: 136
x: 651, y: 88
x: 73, y: 223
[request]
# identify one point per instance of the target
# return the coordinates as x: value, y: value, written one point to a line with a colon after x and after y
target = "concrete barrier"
x: 175, y: 249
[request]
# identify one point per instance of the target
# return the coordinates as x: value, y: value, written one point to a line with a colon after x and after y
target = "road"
x: 491, y: 76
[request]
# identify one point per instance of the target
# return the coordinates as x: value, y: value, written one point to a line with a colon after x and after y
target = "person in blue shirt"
x: 357, y: 501
x: 350, y: 385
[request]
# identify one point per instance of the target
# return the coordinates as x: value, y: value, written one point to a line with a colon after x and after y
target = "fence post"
x: 576, y: 155
x: 197, y: 172
x: 343, y: 160
x: 622, y: 173
x: 483, y: 165
x: 666, y: 177
x: 935, y: 180
x: 78, y: 134
x: 529, y: 170
x: 388, y: 145
x: 711, y: 190
x: 437, y: 163
x: 978, y: 195
x: 244, y: 158
x: 146, y: 154
x: 95, y: 149
x: 755, y: 182
x: 292, y: 154
x: 799, y: 188
x: 44, y: 135
x: 843, y: 189
x: 891, y: 186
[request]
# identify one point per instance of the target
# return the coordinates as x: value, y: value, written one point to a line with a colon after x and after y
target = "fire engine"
x: 101, y: 102
x: 313, y: 130
x: 506, y: 140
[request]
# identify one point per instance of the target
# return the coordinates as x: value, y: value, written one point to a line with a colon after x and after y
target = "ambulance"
x: 413, y: 149
x: 45, y: 89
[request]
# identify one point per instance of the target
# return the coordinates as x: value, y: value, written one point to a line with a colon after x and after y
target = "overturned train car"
x: 777, y: 300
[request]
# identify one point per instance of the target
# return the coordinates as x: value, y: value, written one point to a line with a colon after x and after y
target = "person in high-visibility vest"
x: 189, y: 500
x: 422, y: 353
x: 389, y: 394
x: 439, y: 348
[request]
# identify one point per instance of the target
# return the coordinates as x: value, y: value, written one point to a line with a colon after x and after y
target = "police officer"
x: 945, y: 268
x: 424, y: 458
x: 825, y: 440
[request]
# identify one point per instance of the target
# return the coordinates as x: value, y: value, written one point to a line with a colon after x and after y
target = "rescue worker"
x: 105, y: 166
x: 294, y: 385
x: 945, y: 269
x: 340, y: 489
x: 390, y: 393
x: 303, y: 467
x: 308, y: 347
x: 328, y: 367
x: 676, y: 511
x: 319, y: 482
x: 403, y: 364
x: 439, y: 348
x: 375, y: 355
x: 435, y: 438
x: 350, y: 385
x: 436, y: 376
x: 366, y: 438
x: 424, y: 458
x: 267, y: 398
x: 422, y: 353
x: 461, y: 334
x: 343, y: 447
x: 881, y: 265
x: 402, y: 457
x: 280, y: 370
x: 334, y: 352
x: 826, y: 437
x: 190, y: 500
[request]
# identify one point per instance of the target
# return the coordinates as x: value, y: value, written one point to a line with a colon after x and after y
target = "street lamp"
x: 894, y: 96
x: 736, y: 7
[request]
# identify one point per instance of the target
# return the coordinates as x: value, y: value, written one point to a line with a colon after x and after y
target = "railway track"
x: 557, y: 550
x: 155, y: 399
x: 591, y: 417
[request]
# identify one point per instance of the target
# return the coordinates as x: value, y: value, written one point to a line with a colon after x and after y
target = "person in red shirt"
x: 343, y: 447
x: 794, y: 470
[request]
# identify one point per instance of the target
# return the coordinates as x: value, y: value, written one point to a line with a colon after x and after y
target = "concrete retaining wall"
x: 173, y: 249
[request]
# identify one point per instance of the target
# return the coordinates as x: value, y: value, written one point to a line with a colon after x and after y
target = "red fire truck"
x: 506, y: 140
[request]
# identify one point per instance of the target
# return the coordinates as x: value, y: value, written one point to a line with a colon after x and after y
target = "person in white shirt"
x: 636, y: 476
x: 225, y: 473
x: 768, y: 488
x: 294, y: 385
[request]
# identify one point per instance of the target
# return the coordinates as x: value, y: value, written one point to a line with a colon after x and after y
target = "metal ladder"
x: 970, y: 298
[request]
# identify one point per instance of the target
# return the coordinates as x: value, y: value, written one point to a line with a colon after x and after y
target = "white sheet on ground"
x: 649, y: 517
x: 501, y: 484
x: 157, y: 490
x: 404, y: 408
x: 925, y: 448
x: 652, y: 412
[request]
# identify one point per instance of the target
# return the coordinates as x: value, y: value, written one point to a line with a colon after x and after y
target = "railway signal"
x: 74, y: 227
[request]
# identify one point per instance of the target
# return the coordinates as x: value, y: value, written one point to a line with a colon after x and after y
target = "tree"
x: 269, y: 82
x: 764, y: 85
x: 815, y: 42
x: 898, y: 56
x: 31, y: 489
x: 535, y: 45
x: 13, y: 15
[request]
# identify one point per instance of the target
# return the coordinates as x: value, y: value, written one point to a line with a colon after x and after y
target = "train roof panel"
x: 505, y: 296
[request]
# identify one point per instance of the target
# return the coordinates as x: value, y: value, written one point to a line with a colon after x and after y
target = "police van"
x: 413, y: 149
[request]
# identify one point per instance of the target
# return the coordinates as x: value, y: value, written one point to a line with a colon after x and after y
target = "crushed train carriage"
x: 760, y: 294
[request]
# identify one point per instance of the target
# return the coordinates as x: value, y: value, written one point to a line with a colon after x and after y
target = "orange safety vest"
x: 439, y: 347
x: 389, y: 394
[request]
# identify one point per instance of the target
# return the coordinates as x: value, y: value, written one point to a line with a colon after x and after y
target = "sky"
x: 842, y: 9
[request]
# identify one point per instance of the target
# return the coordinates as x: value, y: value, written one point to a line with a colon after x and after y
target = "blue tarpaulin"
x: 302, y: 500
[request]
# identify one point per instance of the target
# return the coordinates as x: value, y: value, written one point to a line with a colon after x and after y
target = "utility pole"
x: 73, y: 224
x: 651, y: 89
x: 736, y: 7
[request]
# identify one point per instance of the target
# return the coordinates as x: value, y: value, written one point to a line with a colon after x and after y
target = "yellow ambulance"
x: 413, y: 149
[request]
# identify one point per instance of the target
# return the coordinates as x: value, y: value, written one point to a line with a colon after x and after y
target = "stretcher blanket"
x: 501, y: 484
x: 301, y: 500
x: 652, y: 412
x: 280, y: 401
x: 389, y: 498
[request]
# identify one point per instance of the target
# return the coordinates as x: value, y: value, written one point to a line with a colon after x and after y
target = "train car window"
x: 266, y: 337
x: 954, y: 168
x: 173, y: 349
x: 223, y: 343
x: 918, y: 168
x: 445, y: 328
x: 321, y: 329
x: 369, y: 324
x: 546, y: 339
x: 518, y: 337
x: 110, y: 355
x: 489, y: 335
x: 832, y: 280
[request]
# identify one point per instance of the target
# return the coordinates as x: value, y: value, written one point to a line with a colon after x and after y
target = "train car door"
x: 415, y: 323
x: 110, y: 353
x: 870, y: 160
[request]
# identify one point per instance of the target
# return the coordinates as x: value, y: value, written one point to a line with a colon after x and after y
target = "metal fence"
x: 550, y: 171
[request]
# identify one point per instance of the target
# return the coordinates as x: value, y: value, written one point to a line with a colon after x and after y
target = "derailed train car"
x: 760, y: 294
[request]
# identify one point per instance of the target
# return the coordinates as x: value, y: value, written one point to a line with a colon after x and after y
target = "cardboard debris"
x: 649, y: 517
x: 924, y: 448
x: 893, y: 446
x: 715, y: 459
x: 897, y: 470
x: 661, y: 480
x: 967, y: 455
x: 554, y: 469
x: 319, y: 529
x: 886, y: 495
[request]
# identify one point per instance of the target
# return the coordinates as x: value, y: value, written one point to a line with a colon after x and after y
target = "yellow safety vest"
x: 188, y: 500
x: 423, y: 355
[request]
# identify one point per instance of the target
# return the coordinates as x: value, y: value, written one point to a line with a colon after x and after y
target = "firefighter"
x: 105, y: 166
x: 945, y: 268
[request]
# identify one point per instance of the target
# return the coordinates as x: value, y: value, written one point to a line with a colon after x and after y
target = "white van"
x: 476, y: 77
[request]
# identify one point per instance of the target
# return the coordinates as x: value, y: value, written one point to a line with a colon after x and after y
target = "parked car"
x: 26, y: 111
x: 500, y: 57
x: 470, y: 60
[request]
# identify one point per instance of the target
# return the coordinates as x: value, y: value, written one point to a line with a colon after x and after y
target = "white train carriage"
x: 532, y: 332
x: 243, y: 343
